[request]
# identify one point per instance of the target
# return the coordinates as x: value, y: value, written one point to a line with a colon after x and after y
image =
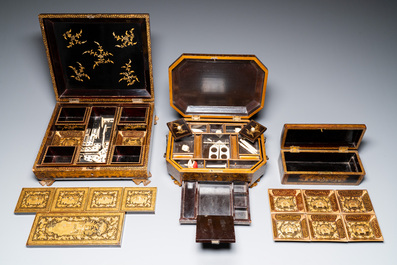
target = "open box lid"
x: 322, y: 136
x: 217, y: 86
x: 99, y: 57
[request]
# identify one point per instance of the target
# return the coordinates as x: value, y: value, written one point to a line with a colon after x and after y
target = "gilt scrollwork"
x: 139, y: 198
x: 289, y: 229
x: 360, y: 230
x: 318, y: 204
x: 70, y: 199
x: 325, y: 230
x: 285, y: 203
x: 35, y: 199
x: 352, y: 204
x: 70, y: 227
x: 104, y: 199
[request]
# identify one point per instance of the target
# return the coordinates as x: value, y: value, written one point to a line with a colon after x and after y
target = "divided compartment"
x: 216, y: 128
x: 326, y: 227
x: 354, y: 201
x: 236, y: 164
x: 72, y: 115
x: 216, y: 146
x: 230, y: 128
x: 59, y: 155
x: 184, y: 148
x: 127, y: 154
x: 362, y: 227
x: 98, y: 133
x: 246, y: 148
x: 136, y: 138
x: 322, y: 162
x: 184, y: 163
x: 215, y: 199
x: 188, y: 205
x: 216, y: 150
x: 241, y: 204
x: 216, y: 163
x: 320, y: 201
x: 68, y: 138
x: 134, y: 115
x: 198, y: 128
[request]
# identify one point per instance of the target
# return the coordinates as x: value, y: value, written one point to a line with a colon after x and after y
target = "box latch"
x: 137, y: 100
x: 294, y: 149
x: 74, y: 100
x: 343, y: 149
x: 236, y: 118
x: 196, y: 117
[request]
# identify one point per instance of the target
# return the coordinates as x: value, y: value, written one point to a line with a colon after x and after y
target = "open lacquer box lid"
x: 99, y: 57
x: 322, y: 136
x: 217, y: 86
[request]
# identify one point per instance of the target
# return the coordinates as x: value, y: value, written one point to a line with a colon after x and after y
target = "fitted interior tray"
x: 322, y: 162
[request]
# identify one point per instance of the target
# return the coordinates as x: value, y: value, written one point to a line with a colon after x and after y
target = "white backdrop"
x: 328, y: 61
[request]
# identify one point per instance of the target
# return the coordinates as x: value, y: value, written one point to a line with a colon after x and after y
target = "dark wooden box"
x: 207, y: 153
x: 101, y: 70
x: 321, y: 154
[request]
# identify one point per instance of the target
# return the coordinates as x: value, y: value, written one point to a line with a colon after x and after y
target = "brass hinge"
x: 294, y: 149
x: 74, y: 100
x: 236, y: 118
x: 137, y: 100
x: 195, y: 117
x: 343, y: 149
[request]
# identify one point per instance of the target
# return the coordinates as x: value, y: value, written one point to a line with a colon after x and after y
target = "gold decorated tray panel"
x: 69, y: 199
x: 290, y: 227
x: 286, y: 200
x: 104, y: 199
x: 355, y: 201
x: 323, y: 215
x: 82, y: 216
x: 139, y: 200
x: 320, y: 201
x: 32, y: 200
x: 363, y: 227
x: 77, y: 229
x: 326, y: 227
x: 99, y: 199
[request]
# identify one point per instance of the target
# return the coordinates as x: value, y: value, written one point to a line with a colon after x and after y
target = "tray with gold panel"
x: 82, y: 216
x: 215, y: 151
x: 101, y: 70
x: 323, y: 215
x: 321, y: 154
x: 32, y: 200
x: 77, y: 229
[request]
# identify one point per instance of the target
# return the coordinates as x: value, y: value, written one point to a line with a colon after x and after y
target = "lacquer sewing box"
x: 101, y: 70
x: 321, y: 154
x: 215, y: 152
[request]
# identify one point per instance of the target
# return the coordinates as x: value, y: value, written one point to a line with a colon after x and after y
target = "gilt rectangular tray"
x: 77, y: 229
x: 98, y: 199
x: 323, y: 215
x: 82, y: 216
x: 33, y: 200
